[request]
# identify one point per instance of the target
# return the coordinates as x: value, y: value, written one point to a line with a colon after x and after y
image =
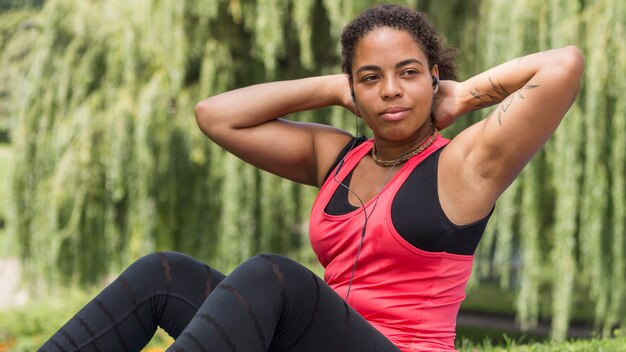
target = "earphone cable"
x: 364, y: 228
x: 365, y: 213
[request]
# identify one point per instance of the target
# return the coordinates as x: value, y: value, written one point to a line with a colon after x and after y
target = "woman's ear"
x: 434, y: 71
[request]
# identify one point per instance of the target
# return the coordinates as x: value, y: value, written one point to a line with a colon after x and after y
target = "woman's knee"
x: 270, y: 269
x: 272, y: 262
x: 157, y: 263
x: 167, y: 271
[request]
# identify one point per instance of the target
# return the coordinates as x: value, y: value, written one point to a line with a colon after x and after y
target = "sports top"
x: 409, y: 294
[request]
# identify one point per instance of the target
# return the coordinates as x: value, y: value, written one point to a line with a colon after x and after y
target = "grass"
x: 472, y: 335
x: 592, y: 345
x: 27, y: 327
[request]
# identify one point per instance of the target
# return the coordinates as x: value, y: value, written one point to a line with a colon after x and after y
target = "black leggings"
x: 268, y: 303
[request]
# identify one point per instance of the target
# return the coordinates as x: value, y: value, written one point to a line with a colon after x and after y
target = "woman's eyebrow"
x: 409, y: 61
x: 398, y: 65
x: 368, y: 68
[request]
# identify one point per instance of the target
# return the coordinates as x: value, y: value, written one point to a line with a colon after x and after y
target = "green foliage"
x: 118, y: 131
x: 5, y: 167
x: 565, y: 214
x: 5, y: 155
x: 112, y: 165
x: 490, y: 298
x: 28, y: 327
x: 14, y: 29
x: 6, y: 5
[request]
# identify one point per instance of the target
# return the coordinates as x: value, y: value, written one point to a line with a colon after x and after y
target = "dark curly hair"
x: 398, y: 17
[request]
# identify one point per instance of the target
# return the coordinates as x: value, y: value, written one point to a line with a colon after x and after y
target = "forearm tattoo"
x: 497, y: 94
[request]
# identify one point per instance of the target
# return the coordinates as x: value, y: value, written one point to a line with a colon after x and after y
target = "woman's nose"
x: 391, y: 89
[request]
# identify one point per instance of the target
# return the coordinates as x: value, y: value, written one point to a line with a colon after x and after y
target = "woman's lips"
x: 394, y: 113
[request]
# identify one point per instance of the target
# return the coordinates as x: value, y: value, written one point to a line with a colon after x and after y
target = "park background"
x: 101, y: 160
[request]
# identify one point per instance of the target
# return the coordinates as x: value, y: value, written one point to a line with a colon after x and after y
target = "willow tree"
x: 567, y: 211
x: 110, y: 164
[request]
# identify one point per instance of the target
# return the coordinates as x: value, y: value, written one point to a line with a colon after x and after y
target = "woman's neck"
x: 392, y: 150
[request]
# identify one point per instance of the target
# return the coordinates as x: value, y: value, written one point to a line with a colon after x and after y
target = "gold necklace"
x: 405, y: 157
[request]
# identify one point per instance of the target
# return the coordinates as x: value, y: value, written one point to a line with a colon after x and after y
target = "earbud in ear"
x: 436, y: 84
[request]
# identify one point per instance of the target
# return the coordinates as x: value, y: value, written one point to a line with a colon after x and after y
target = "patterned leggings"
x: 268, y: 303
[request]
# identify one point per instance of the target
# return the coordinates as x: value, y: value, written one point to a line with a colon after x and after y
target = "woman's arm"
x: 533, y: 94
x: 246, y: 123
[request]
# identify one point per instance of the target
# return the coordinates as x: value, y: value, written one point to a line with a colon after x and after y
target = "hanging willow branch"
x: 570, y: 221
x: 110, y: 164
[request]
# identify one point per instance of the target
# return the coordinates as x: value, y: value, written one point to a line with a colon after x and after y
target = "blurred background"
x: 101, y: 160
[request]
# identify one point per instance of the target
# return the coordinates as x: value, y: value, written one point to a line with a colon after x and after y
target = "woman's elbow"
x: 565, y: 70
x: 573, y: 61
x: 204, y: 116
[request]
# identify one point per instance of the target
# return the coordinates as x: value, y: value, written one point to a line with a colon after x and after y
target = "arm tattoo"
x: 498, y: 94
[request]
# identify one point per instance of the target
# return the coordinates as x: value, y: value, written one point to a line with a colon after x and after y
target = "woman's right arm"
x: 246, y: 123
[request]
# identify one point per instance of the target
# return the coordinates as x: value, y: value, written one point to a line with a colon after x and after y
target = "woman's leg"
x: 161, y: 289
x: 271, y: 303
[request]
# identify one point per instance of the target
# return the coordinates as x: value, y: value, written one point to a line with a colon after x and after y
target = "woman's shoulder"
x: 352, y: 143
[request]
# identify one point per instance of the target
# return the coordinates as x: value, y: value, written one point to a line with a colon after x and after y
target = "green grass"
x: 617, y: 344
x: 27, y: 327
x: 483, y: 336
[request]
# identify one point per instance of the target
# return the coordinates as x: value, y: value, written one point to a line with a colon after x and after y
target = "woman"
x: 397, y: 219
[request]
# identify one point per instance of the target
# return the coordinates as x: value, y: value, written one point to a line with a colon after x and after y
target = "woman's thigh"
x: 316, y: 318
x: 272, y: 303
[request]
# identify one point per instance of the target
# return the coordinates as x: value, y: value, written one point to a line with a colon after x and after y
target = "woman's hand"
x: 344, y: 92
x: 446, y: 109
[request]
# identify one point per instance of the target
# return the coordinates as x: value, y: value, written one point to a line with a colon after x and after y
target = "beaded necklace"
x: 407, y: 156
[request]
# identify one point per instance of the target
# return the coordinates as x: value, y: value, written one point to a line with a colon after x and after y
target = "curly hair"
x: 398, y: 17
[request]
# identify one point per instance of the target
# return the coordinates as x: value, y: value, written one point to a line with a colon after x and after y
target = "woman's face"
x: 393, y: 85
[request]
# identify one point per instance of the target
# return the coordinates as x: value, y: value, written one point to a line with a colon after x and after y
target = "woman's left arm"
x: 533, y: 94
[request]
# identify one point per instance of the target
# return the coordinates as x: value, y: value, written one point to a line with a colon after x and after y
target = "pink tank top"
x: 410, y: 295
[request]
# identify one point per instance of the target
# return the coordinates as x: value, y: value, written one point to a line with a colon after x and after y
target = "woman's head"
x: 400, y: 18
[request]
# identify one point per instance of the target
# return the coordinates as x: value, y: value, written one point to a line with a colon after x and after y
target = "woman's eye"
x: 409, y: 72
x: 369, y: 78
